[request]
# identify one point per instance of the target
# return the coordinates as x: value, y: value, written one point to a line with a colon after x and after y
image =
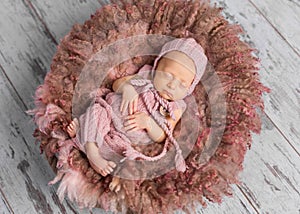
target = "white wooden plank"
x: 271, y: 176
x: 270, y: 179
x: 279, y: 70
x: 26, y: 48
x: 234, y: 204
x: 60, y: 16
x: 24, y: 173
x: 284, y: 16
x: 4, y: 207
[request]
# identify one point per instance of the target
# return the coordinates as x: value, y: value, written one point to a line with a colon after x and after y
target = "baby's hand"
x: 129, y: 99
x: 137, y: 121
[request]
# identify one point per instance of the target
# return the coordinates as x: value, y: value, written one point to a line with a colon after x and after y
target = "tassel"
x: 180, y: 162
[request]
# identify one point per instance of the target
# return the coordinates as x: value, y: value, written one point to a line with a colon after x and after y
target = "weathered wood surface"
x: 4, y: 208
x: 271, y: 176
x: 270, y: 180
x: 26, y: 49
x: 284, y: 17
x: 24, y: 174
x: 279, y: 69
x: 60, y: 16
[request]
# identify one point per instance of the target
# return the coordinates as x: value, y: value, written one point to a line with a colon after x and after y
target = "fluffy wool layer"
x: 229, y: 57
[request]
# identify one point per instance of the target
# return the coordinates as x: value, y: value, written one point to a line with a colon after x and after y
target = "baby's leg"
x: 73, y: 127
x: 98, y: 163
x: 95, y: 125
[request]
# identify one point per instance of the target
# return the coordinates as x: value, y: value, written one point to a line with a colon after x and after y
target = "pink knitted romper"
x: 103, y: 123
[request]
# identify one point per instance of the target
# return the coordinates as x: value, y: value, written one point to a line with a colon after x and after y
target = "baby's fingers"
x: 135, y: 105
x: 129, y: 122
x: 134, y: 129
x: 124, y: 106
x: 130, y: 117
x: 129, y: 127
x: 131, y: 106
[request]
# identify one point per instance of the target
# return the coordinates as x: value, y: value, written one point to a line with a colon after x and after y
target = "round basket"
x: 208, y: 176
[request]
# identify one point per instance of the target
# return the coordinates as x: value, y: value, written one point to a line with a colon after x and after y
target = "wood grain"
x: 60, y: 16
x: 24, y: 173
x: 271, y: 175
x: 4, y: 206
x: 284, y: 17
x: 279, y: 68
x: 235, y: 204
x: 25, y: 49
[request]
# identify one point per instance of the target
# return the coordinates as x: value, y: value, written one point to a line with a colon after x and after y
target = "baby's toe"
x: 106, y: 170
x: 112, y: 164
x: 118, y: 188
x: 109, y: 169
x: 112, y: 186
x: 103, y: 173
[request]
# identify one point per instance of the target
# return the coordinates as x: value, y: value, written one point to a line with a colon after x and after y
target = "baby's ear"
x: 161, y: 61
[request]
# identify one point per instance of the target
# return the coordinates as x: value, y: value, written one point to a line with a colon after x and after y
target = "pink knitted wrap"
x: 103, y: 118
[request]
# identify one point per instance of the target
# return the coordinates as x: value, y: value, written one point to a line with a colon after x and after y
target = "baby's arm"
x: 119, y: 84
x: 156, y: 133
x: 129, y: 94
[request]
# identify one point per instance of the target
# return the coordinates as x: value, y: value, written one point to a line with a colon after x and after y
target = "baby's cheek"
x: 179, y: 94
x: 159, y: 83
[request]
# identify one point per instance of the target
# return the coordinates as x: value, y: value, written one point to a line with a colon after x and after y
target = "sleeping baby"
x: 142, y: 108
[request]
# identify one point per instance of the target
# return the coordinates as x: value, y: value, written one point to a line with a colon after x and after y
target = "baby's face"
x: 172, y: 80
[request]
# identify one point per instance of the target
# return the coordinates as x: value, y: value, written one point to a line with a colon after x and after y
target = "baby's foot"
x: 115, y: 184
x: 103, y: 166
x: 73, y: 127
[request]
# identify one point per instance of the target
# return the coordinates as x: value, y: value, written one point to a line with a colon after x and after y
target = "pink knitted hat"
x: 192, y: 49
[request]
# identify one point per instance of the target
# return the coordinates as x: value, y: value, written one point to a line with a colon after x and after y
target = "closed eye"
x: 183, y: 85
x: 168, y: 75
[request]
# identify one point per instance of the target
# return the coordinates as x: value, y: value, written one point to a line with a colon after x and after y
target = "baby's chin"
x: 166, y: 96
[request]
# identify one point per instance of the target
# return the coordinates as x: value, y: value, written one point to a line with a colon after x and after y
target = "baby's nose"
x: 172, y: 84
